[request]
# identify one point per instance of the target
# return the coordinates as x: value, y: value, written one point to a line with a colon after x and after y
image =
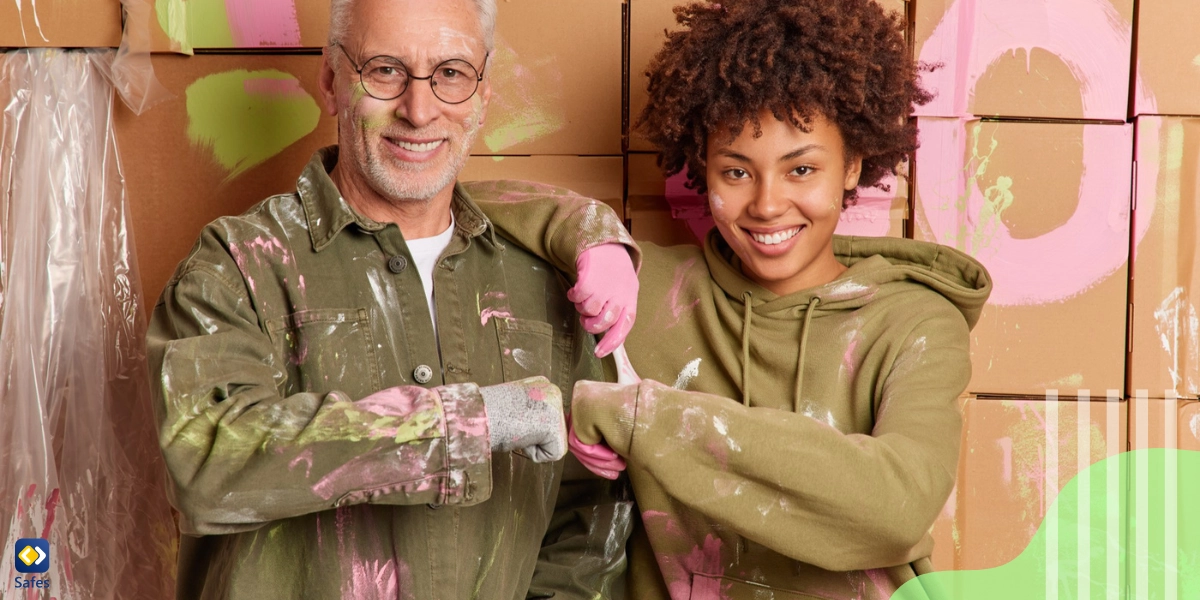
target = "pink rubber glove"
x: 606, y: 294
x: 598, y: 458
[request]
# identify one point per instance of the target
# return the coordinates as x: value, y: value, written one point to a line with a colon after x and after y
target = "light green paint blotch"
x: 244, y: 130
x: 209, y: 24
x: 173, y: 18
x: 1125, y: 527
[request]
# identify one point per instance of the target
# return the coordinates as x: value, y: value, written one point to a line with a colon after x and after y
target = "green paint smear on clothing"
x: 1124, y: 528
x: 245, y: 128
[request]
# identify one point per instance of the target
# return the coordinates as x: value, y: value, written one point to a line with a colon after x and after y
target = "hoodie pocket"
x: 712, y: 587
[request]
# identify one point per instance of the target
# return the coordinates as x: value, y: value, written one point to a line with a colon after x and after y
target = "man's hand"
x: 527, y: 417
x: 606, y: 294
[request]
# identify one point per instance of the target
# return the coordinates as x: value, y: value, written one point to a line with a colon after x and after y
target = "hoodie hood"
x: 874, y: 264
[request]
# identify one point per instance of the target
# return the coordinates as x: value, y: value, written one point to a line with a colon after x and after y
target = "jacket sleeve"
x: 554, y: 224
x: 839, y: 501
x: 241, y: 454
x: 583, y: 551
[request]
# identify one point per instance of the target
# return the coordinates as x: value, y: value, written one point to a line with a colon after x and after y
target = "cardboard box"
x: 60, y: 24
x: 649, y: 22
x: 1165, y: 328
x: 1168, y: 72
x: 1061, y: 59
x: 877, y: 212
x: 1017, y: 455
x: 1164, y: 423
x: 596, y: 177
x: 239, y: 129
x: 556, y: 72
x: 1046, y: 208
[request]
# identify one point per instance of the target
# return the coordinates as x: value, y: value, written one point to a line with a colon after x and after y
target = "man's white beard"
x: 407, y: 189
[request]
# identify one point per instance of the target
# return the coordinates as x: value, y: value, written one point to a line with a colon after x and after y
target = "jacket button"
x: 423, y: 374
x: 397, y: 263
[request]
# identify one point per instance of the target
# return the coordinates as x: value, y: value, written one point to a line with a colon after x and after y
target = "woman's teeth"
x: 778, y: 237
x: 426, y: 147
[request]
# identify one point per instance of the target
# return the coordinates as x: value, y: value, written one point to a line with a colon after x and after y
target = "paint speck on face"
x: 689, y: 372
x: 717, y: 202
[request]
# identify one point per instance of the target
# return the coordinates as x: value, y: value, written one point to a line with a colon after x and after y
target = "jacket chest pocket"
x: 526, y: 348
x: 327, y: 350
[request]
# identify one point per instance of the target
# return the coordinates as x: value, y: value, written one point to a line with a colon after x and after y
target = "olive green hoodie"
x: 802, y: 443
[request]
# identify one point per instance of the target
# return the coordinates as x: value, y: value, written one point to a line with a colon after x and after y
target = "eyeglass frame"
x: 429, y: 78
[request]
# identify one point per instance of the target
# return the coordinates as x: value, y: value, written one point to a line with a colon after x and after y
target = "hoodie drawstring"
x: 808, y: 313
x: 746, y: 298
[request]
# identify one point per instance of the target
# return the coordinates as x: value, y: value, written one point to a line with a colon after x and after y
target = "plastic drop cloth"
x: 79, y: 462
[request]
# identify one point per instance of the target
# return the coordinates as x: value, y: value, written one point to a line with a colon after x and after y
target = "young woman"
x: 797, y: 429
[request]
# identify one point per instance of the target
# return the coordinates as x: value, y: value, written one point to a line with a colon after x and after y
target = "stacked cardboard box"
x: 29, y: 24
x: 246, y: 113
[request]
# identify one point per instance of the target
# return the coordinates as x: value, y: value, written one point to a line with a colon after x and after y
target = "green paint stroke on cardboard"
x: 246, y: 117
x: 1126, y: 524
x: 173, y: 18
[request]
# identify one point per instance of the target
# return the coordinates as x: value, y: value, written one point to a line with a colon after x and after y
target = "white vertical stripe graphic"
x: 1171, y: 498
x: 1049, y: 491
x: 1083, y: 495
x: 1141, y: 543
x: 1112, y: 497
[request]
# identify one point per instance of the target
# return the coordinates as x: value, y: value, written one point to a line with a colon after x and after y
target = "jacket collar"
x: 328, y: 213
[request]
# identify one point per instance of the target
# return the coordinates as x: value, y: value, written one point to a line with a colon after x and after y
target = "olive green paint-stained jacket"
x: 294, y: 482
x: 795, y: 447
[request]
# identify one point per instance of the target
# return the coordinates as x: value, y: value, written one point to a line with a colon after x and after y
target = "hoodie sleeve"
x: 554, y: 224
x: 839, y: 501
x: 241, y: 454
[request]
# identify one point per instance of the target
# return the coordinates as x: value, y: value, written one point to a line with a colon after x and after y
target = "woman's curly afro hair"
x: 845, y: 60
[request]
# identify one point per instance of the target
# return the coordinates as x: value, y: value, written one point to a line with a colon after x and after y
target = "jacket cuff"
x: 605, y: 412
x: 593, y: 224
x: 468, y: 454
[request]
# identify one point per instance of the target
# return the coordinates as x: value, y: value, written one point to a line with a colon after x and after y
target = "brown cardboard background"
x: 1069, y: 345
x: 1166, y: 269
x: 60, y: 23
x: 174, y: 188
x: 649, y: 19
x: 596, y: 177
x: 1005, y: 484
x: 1167, y: 51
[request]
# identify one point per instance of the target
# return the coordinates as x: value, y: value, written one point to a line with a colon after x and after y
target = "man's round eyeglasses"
x: 386, y: 78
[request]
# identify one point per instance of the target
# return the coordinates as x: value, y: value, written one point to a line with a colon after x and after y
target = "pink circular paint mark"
x: 1089, y: 37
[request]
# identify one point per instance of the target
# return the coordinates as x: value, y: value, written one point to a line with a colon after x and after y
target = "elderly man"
x: 358, y: 384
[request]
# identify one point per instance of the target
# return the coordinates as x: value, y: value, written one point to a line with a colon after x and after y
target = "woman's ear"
x: 853, y: 172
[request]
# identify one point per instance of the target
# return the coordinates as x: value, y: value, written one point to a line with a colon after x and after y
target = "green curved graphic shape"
x: 1128, y: 527
x: 246, y: 117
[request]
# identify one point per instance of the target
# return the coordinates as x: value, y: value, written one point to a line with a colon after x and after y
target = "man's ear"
x: 853, y: 172
x: 485, y: 95
x: 325, y: 82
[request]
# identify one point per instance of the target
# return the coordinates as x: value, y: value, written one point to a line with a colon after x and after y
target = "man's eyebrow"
x: 801, y: 151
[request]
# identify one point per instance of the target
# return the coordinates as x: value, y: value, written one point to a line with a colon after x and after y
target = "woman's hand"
x: 605, y: 294
x: 598, y: 458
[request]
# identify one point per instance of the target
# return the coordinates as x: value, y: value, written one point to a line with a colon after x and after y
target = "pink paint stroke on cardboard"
x: 258, y: 23
x: 1090, y: 36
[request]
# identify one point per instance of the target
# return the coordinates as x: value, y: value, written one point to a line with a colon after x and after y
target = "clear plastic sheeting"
x: 79, y: 463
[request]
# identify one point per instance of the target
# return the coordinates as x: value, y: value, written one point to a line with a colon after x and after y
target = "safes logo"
x: 32, y: 555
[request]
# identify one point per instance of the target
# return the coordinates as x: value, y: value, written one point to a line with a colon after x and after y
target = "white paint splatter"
x: 1178, y: 327
x: 689, y: 372
x: 523, y: 358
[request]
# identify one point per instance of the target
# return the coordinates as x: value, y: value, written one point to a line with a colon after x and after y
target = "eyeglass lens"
x: 453, y: 81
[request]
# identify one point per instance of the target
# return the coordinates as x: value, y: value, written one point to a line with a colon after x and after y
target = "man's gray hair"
x: 339, y: 21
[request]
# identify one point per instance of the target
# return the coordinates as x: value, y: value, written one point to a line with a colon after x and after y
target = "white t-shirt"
x: 425, y: 253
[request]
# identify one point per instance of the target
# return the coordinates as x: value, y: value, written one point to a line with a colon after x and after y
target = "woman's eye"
x: 802, y: 171
x: 736, y: 174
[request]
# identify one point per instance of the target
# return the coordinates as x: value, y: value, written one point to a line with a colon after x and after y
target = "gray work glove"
x: 526, y: 416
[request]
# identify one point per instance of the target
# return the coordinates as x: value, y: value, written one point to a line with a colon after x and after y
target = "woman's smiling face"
x: 776, y: 199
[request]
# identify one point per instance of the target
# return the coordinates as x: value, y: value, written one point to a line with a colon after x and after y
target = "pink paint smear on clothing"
x: 268, y: 86
x: 257, y: 23
x: 486, y: 315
